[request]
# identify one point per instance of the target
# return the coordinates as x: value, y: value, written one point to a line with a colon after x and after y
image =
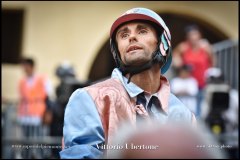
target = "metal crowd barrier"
x: 16, y: 146
x: 227, y: 60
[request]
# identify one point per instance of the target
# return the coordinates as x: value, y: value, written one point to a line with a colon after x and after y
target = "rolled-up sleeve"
x: 82, y: 129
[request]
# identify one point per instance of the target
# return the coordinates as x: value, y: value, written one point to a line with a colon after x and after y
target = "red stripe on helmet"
x: 131, y: 17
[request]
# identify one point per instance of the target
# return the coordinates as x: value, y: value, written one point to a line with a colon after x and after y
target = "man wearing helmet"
x: 137, y: 90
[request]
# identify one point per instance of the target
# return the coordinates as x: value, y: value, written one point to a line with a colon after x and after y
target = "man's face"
x: 194, y: 36
x: 28, y: 69
x: 136, y: 42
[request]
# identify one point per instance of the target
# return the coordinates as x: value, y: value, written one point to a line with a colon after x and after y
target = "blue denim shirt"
x: 83, y: 129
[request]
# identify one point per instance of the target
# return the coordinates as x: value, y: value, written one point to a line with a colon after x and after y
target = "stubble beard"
x: 137, y: 59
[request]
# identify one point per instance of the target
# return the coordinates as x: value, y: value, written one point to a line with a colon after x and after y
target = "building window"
x: 12, y: 29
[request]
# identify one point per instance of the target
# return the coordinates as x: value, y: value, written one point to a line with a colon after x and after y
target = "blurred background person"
x: 220, y: 98
x: 34, y: 90
x: 185, y: 87
x: 221, y: 109
x: 165, y: 141
x: 68, y: 83
x: 197, y: 53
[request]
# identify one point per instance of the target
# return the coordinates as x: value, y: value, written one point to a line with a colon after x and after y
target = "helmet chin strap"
x: 157, y: 58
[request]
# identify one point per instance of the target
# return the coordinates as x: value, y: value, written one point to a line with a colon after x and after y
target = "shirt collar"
x: 133, y: 90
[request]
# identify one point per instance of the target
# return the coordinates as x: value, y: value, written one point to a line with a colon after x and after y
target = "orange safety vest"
x: 33, y: 97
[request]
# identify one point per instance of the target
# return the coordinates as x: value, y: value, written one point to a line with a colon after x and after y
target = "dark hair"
x: 190, y: 28
x: 184, y: 67
x: 28, y: 61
